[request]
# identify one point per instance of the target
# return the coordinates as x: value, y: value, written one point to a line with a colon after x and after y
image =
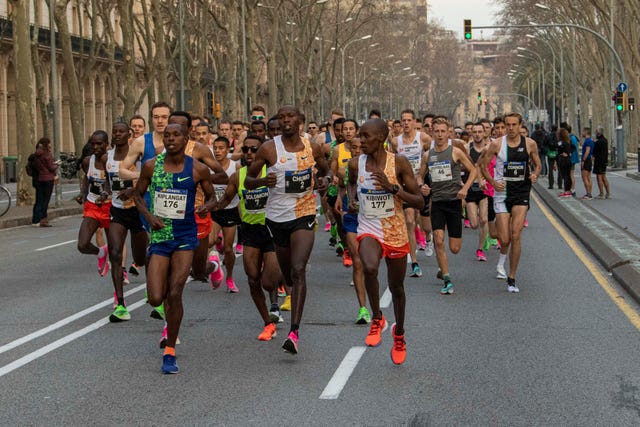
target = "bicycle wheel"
x: 5, y: 200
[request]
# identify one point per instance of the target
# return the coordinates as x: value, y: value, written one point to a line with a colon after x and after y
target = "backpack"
x: 31, y: 168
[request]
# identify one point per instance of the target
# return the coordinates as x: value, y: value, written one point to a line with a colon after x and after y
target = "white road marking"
x: 342, y: 374
x: 385, y: 301
x: 65, y: 321
x: 56, y: 245
x: 62, y: 341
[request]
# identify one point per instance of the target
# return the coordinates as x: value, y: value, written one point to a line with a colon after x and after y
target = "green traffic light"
x: 467, y: 36
x: 619, y: 107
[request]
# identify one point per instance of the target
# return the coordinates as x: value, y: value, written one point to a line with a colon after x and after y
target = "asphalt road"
x: 562, y: 352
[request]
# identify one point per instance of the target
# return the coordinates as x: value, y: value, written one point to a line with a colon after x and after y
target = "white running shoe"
x: 428, y: 251
x: 501, y: 273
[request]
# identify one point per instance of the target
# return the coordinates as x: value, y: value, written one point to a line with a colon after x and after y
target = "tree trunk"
x: 24, y: 95
x: 76, y: 97
x: 128, y: 96
x: 161, y: 61
x: 39, y: 83
x: 252, y: 54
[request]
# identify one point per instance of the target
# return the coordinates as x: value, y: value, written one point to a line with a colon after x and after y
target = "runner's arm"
x: 146, y: 173
x: 229, y: 193
x: 203, y: 176
x: 136, y: 150
x: 461, y: 157
x: 352, y: 185
x: 409, y: 191
x: 252, y: 181
x: 532, y: 147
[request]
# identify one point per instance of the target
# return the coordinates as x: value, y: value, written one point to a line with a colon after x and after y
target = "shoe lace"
x: 376, y: 325
x: 398, y: 343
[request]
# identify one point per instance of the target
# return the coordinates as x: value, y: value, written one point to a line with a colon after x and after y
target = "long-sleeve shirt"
x: 46, y: 167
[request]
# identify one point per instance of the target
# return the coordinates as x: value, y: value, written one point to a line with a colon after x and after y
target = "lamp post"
x: 544, y: 93
x: 342, y: 51
x: 553, y: 84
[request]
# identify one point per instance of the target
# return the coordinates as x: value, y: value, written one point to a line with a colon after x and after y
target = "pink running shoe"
x: 291, y: 343
x: 526, y: 223
x: 125, y: 277
x: 103, y: 262
x: 327, y: 227
x: 231, y: 286
x: 467, y: 224
x: 480, y: 255
x: 115, y: 300
x: 216, y: 277
x: 238, y: 248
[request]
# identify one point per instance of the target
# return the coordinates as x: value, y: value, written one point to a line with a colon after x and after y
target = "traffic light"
x: 218, y: 111
x: 619, y: 101
x: 479, y: 96
x: 632, y: 104
x: 467, y: 29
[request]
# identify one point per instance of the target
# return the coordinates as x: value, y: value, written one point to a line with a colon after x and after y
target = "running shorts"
x: 226, y: 217
x: 101, y: 213
x: 256, y: 236
x: 390, y: 252
x: 447, y: 214
x: 281, y: 231
x: 128, y: 218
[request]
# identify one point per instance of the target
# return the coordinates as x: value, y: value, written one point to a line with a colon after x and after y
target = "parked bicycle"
x: 5, y: 200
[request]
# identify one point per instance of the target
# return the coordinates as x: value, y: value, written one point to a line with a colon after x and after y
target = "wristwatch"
x: 395, y: 189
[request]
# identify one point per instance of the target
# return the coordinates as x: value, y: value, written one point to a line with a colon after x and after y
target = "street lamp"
x: 544, y: 93
x: 342, y: 50
x: 553, y: 112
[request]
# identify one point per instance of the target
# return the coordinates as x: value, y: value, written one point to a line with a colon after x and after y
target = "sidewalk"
x: 607, y: 228
x: 21, y: 215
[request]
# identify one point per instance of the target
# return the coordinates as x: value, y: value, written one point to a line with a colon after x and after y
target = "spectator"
x: 565, y: 149
x: 600, y: 160
x: 550, y: 147
x: 46, y: 172
x: 539, y: 135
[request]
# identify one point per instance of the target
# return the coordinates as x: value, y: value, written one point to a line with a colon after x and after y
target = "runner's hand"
x: 462, y: 194
x: 126, y: 194
x: 202, y: 211
x: 381, y: 180
x: 500, y: 186
x: 534, y: 178
x: 156, y: 223
x: 323, y: 184
x: 271, y: 180
x: 425, y: 190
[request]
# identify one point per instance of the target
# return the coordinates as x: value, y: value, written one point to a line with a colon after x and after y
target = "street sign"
x: 622, y: 87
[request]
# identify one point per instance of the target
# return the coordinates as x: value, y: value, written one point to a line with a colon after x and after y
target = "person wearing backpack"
x: 45, y: 169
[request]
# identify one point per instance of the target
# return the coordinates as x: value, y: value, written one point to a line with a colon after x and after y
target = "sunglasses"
x: 257, y: 117
x: 312, y: 127
x: 246, y: 149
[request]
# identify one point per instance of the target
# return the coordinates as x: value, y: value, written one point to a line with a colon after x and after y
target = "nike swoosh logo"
x: 311, y: 224
x: 183, y: 178
x: 182, y: 246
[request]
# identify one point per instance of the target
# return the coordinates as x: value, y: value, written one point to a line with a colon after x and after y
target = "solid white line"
x: 56, y: 245
x: 62, y: 341
x: 342, y: 374
x: 385, y: 301
x: 63, y: 322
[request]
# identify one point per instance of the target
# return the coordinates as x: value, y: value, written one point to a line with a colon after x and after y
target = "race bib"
x: 219, y: 190
x: 170, y: 203
x: 297, y: 182
x: 118, y: 185
x: 376, y: 203
x: 255, y: 201
x: 440, y: 171
x: 96, y: 187
x: 414, y: 161
x: 514, y: 171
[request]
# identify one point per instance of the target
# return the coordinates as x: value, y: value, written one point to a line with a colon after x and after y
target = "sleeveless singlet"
x: 512, y: 167
x: 97, y: 178
x: 412, y: 151
x: 220, y: 188
x: 445, y: 175
x: 380, y: 213
x: 173, y: 200
x: 253, y: 203
x: 475, y: 155
x: 118, y: 184
x: 292, y: 197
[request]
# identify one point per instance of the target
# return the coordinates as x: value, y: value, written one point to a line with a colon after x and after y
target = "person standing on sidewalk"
x: 586, y: 163
x: 564, y: 160
x: 45, y: 170
x: 600, y: 160
x: 551, y: 152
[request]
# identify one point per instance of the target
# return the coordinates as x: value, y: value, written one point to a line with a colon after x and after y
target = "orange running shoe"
x: 268, y: 332
x: 399, y: 349
x: 346, y: 259
x: 378, y: 326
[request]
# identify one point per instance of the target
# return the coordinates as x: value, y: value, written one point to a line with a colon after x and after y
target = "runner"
x: 512, y: 184
x: 445, y: 162
x: 259, y: 258
x: 171, y: 179
x: 476, y: 198
x: 95, y: 190
x: 124, y: 217
x: 379, y: 183
x: 337, y: 236
x: 291, y: 207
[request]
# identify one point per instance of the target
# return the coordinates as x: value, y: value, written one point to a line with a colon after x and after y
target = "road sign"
x: 622, y: 87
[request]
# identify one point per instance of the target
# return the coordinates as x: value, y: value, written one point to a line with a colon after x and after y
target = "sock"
x: 101, y: 252
x: 511, y: 281
x: 414, y: 264
x: 446, y: 278
x: 274, y: 307
x: 294, y: 328
x: 502, y: 259
x: 170, y: 351
x: 121, y: 301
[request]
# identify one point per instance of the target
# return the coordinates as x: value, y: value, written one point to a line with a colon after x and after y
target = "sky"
x: 451, y: 13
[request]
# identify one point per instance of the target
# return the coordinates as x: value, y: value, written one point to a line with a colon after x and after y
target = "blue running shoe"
x: 447, y: 289
x: 169, y: 365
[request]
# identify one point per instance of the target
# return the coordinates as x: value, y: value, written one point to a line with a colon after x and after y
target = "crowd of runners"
x: 191, y: 197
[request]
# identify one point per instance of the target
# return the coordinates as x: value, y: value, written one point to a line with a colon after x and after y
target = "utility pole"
x: 53, y: 101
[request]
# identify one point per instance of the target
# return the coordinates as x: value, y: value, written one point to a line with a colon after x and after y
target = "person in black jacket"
x: 539, y: 135
x: 565, y: 148
x: 600, y: 160
x: 550, y: 148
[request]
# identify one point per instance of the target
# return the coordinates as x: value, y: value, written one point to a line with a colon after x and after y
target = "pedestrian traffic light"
x: 479, y: 96
x: 619, y: 101
x: 467, y: 29
x: 632, y: 104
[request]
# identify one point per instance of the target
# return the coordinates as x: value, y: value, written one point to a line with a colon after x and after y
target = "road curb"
x: 52, y: 213
x: 626, y: 271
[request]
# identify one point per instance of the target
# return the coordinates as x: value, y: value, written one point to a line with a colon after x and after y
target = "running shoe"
x: 332, y: 241
x: 467, y: 224
x: 120, y: 314
x: 480, y: 255
x: 346, y: 259
x: 169, y: 365
x: 274, y: 315
x: 103, y: 262
x: 565, y: 195
x: 231, y: 286
x: 495, y: 243
x: 268, y: 332
x: 378, y: 326
x: 158, y: 312
x: 428, y: 250
x: 447, y: 289
x: 239, y: 248
x: 513, y: 289
x: 282, y: 292
x: 501, y: 273
x: 399, y: 348
x: 363, y: 316
x: 415, y: 270
x: 134, y: 270
x: 163, y: 338
x: 291, y: 343
x: 587, y: 197
x: 286, y: 305
x: 339, y: 249
x: 421, y: 245
x: 487, y: 243
x: 215, y: 277
x: 327, y: 227
x: 125, y: 277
